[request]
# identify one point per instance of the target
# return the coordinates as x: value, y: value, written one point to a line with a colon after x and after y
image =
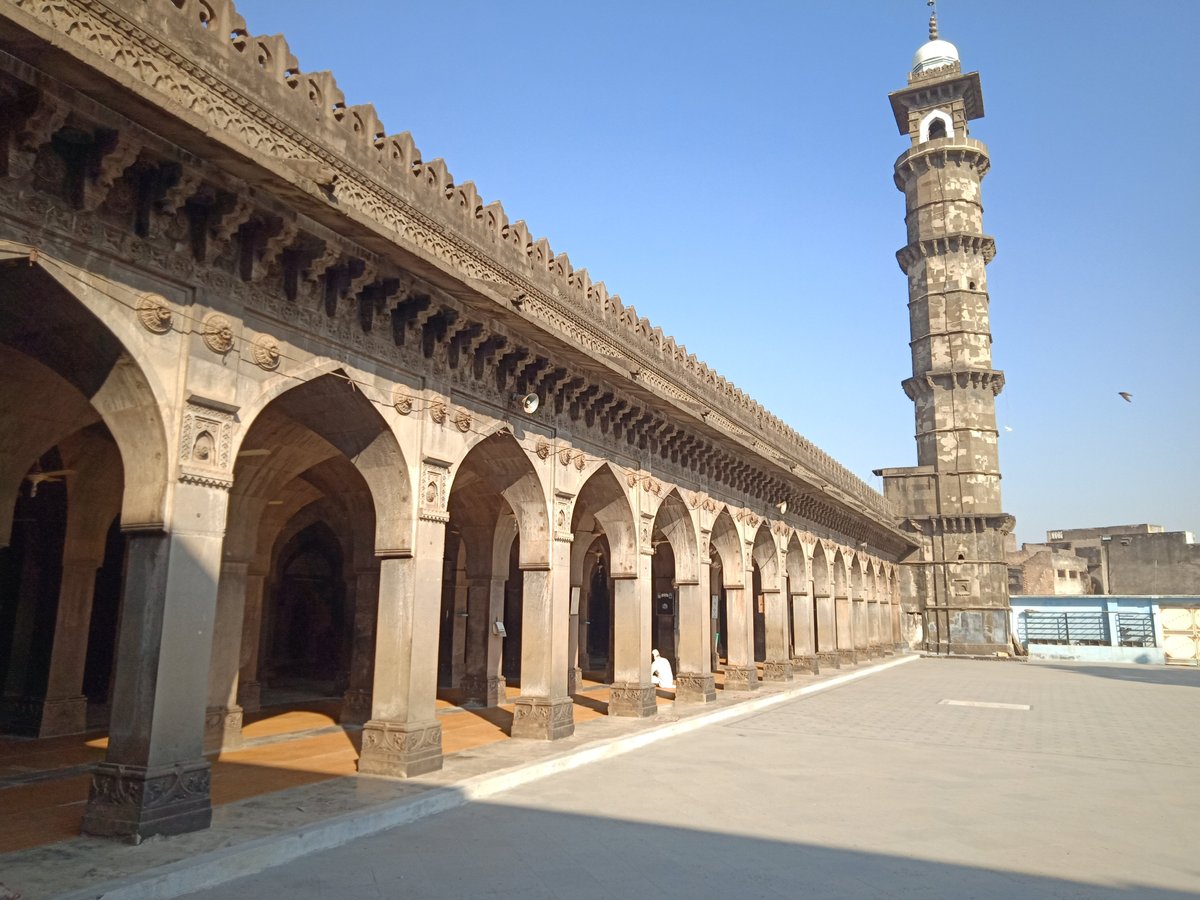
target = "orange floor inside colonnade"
x: 44, y: 782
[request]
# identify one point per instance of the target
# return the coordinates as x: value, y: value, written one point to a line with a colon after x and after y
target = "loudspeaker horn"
x: 528, y: 402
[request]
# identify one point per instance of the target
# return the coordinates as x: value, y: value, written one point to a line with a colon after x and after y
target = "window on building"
x: 1062, y: 573
x: 937, y: 129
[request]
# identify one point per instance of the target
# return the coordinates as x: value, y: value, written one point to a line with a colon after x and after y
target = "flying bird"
x: 1008, y: 428
x: 1128, y: 397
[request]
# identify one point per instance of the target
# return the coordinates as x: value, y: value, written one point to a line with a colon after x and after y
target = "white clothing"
x: 661, y: 674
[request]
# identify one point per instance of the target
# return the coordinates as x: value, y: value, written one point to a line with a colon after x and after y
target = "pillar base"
x: 65, y: 715
x: 741, y: 678
x: 847, y: 657
x: 806, y: 665
x: 356, y: 707
x: 574, y: 680
x: 692, y: 687
x: 777, y: 670
x: 632, y: 699
x: 543, y: 719
x: 249, y: 696
x: 131, y: 803
x: 829, y: 659
x: 400, y: 749
x: 222, y: 728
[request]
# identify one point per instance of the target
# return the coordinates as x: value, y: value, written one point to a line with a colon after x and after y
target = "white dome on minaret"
x: 934, y: 53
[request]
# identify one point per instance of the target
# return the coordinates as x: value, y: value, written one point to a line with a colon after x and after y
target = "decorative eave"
x: 936, y: 87
x: 991, y: 379
x: 980, y: 244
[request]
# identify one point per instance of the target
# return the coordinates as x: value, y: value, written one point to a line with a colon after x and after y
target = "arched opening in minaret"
x: 937, y: 129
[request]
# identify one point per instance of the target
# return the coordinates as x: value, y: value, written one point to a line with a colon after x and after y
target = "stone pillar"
x: 64, y: 709
x: 633, y: 693
x: 155, y: 779
x: 223, y: 717
x: 574, y: 670
x: 844, y: 624
x: 544, y: 711
x: 458, y: 660
x: 740, y: 672
x: 356, y: 704
x: 804, y: 650
x: 778, y: 665
x: 861, y: 628
x: 249, y: 689
x: 403, y: 736
x: 826, y: 620
x: 483, y: 683
x: 694, y: 680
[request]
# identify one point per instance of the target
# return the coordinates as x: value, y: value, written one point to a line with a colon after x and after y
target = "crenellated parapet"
x: 249, y: 95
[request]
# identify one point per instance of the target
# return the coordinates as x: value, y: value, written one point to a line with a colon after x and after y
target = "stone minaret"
x: 951, y: 498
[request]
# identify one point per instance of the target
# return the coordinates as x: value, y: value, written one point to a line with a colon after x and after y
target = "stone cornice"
x: 980, y: 244
x: 248, y: 92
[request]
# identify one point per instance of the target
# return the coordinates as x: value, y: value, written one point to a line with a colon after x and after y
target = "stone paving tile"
x: 869, y: 790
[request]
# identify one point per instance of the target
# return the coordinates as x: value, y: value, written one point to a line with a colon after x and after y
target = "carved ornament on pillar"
x: 562, y: 517
x: 435, y: 475
x: 137, y: 802
x: 206, y: 441
x: 400, y: 750
x: 154, y: 313
x: 645, y: 534
x: 542, y: 449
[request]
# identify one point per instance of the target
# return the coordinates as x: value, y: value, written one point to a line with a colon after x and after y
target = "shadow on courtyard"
x: 530, y: 853
x: 1178, y: 676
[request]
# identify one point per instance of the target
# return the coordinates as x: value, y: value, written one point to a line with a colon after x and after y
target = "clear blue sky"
x: 727, y: 169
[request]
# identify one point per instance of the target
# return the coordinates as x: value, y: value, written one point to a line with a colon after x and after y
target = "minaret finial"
x: 933, y: 35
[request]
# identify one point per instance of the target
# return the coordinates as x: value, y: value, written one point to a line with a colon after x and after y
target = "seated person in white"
x: 660, y: 671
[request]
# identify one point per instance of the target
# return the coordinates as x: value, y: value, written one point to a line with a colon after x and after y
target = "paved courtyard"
x: 873, y: 789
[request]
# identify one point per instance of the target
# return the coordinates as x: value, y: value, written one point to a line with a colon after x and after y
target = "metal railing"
x: 1136, y: 629
x: 1076, y: 627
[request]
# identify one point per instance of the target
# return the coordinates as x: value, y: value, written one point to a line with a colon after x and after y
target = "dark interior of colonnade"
x: 61, y: 485
x: 308, y: 633
x: 759, y: 607
x: 595, y: 612
x: 666, y: 601
x: 720, y: 622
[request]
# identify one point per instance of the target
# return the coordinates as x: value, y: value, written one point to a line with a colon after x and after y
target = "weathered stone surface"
x: 400, y: 749
x: 543, y: 720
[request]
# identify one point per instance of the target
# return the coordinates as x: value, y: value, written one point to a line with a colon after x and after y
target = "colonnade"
x: 433, y: 521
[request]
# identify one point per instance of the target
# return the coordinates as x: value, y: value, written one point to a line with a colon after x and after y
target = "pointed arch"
x: 766, y: 557
x: 501, y: 464
x: 603, y: 499
x: 728, y: 546
x: 678, y: 527
x: 324, y: 417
